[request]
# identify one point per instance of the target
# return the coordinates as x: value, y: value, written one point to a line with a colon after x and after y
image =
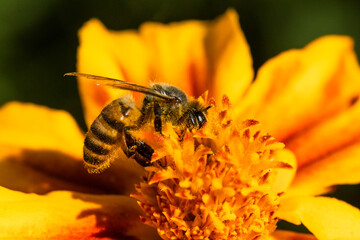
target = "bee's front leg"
x: 181, y: 134
x: 157, y: 119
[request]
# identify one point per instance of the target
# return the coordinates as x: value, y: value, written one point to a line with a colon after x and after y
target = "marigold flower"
x: 216, y: 184
x: 232, y: 179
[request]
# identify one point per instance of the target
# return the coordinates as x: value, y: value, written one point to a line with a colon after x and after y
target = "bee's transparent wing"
x: 116, y: 83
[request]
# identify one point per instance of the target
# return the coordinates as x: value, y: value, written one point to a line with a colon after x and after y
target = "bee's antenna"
x: 207, y: 108
x: 70, y: 74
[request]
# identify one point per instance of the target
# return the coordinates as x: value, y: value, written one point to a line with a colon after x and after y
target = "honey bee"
x: 162, y: 104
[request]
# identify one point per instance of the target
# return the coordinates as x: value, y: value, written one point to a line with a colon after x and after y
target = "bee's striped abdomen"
x: 102, y: 132
x: 105, y: 132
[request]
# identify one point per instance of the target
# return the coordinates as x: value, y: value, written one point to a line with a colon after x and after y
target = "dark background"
x: 38, y: 39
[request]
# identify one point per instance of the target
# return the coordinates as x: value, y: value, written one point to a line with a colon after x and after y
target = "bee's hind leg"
x: 136, y: 149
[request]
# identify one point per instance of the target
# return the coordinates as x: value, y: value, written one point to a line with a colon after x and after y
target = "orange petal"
x: 301, y: 87
x: 342, y: 167
x: 287, y: 235
x: 192, y: 55
x: 67, y: 215
x: 30, y: 126
x: 327, y: 136
x: 326, y: 218
x: 45, y: 146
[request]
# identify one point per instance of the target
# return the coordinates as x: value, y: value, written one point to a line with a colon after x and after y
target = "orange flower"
x: 226, y: 181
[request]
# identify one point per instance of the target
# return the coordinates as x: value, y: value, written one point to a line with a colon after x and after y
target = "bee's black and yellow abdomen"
x: 92, y: 159
x: 104, y: 134
x: 108, y: 134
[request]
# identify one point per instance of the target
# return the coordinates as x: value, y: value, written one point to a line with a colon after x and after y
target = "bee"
x: 162, y: 104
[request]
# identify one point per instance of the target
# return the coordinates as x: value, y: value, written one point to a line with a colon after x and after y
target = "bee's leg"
x: 140, y: 121
x: 157, y: 119
x: 181, y: 134
x: 136, y: 149
x: 146, y: 111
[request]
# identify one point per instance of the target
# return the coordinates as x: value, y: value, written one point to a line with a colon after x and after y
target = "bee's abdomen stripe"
x: 109, y: 119
x: 102, y: 133
x: 95, y: 145
x: 92, y: 159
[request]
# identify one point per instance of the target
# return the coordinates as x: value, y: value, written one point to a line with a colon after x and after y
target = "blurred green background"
x: 38, y: 39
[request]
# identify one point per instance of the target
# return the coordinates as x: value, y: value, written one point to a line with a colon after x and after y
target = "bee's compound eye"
x: 201, y: 119
x: 177, y: 99
x: 192, y: 119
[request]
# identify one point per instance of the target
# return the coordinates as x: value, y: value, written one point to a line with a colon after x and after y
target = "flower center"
x: 215, y: 184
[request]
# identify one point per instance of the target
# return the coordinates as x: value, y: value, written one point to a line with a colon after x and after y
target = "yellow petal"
x: 230, y: 62
x: 27, y: 129
x: 67, y: 215
x: 15, y: 174
x: 342, y: 167
x: 42, y: 171
x: 117, y: 55
x: 192, y: 55
x: 197, y: 56
x: 326, y: 218
x: 287, y: 235
x: 30, y: 126
x: 301, y: 87
x: 328, y: 136
x: 45, y: 146
x: 177, y: 54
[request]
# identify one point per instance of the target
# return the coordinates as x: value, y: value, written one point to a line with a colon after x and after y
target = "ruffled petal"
x: 326, y: 218
x: 67, y: 215
x: 301, y: 87
x: 328, y: 136
x: 287, y: 235
x: 341, y: 167
x: 44, y: 146
x: 193, y: 55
